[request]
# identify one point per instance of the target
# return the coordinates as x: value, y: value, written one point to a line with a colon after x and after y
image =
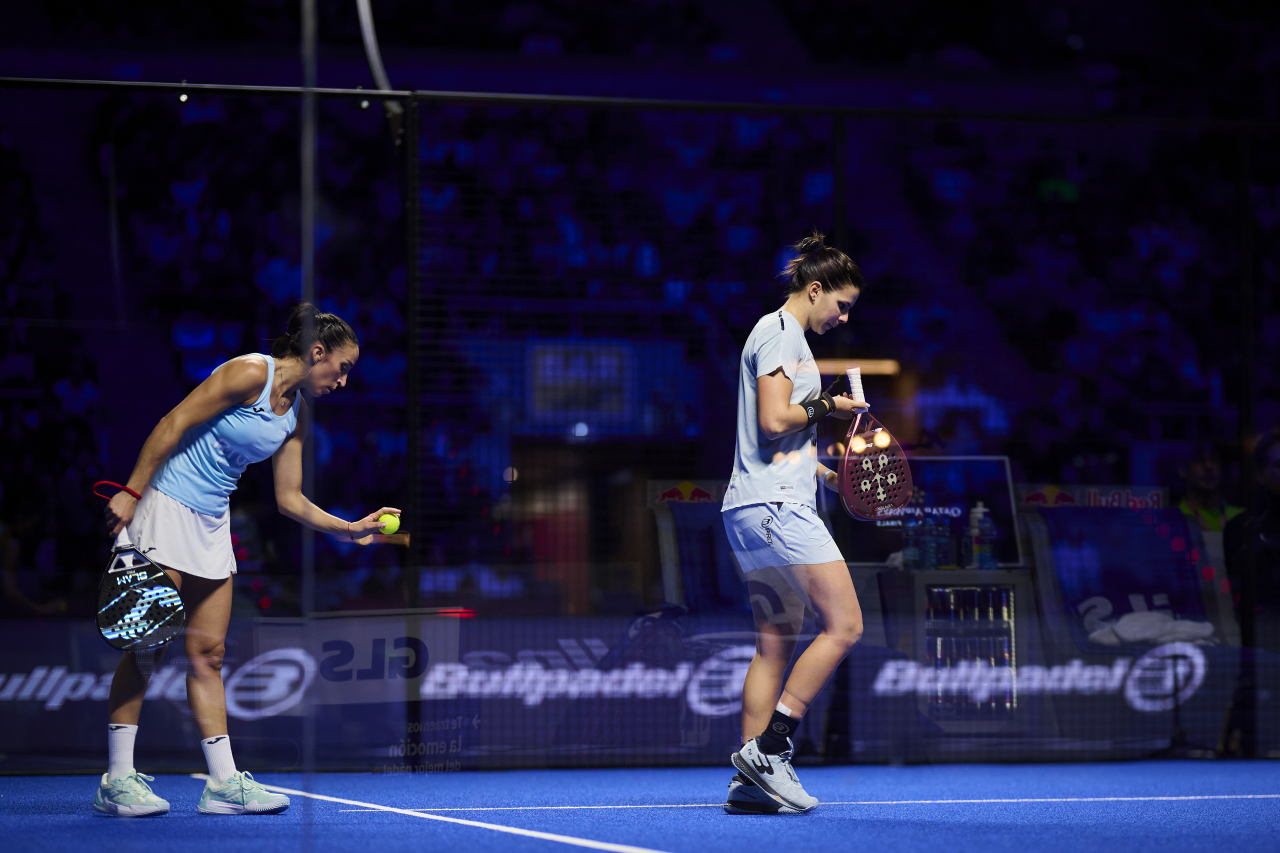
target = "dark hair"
x: 1202, y: 451
x: 330, y: 330
x: 816, y: 261
x: 1266, y: 441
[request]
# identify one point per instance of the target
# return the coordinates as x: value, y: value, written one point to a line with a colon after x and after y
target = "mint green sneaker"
x: 240, y: 795
x: 129, y: 796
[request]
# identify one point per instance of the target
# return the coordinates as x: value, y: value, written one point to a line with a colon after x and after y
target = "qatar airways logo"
x: 1165, y: 677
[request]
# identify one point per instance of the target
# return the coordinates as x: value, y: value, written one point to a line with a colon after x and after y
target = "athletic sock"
x: 774, y: 739
x: 217, y: 752
x: 120, y: 750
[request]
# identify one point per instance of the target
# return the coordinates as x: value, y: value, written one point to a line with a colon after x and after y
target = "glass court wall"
x: 551, y: 300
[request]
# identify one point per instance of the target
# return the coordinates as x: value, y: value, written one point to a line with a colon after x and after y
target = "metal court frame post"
x: 307, y: 156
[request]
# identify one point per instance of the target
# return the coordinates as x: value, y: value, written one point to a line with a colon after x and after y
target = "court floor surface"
x: 1134, y: 807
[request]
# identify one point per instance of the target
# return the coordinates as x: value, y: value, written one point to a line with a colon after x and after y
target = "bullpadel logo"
x: 1161, y: 679
x: 270, y: 684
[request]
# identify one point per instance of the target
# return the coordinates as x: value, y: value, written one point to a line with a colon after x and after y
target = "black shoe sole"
x: 753, y: 808
x: 750, y: 772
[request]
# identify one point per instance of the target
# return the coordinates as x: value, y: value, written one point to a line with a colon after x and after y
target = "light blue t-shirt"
x: 204, y: 468
x: 784, y: 469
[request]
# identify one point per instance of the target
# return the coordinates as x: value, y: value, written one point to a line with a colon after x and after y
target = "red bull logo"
x: 1125, y: 497
x: 686, y: 492
x: 1049, y: 496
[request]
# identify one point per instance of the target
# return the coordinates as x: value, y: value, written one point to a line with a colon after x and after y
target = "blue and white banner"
x: 413, y: 693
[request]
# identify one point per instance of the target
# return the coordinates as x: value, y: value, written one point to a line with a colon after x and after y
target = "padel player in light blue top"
x: 175, y: 509
x: 786, y: 554
x: 205, y: 467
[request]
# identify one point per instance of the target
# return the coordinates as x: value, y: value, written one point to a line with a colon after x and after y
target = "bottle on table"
x: 929, y: 544
x: 910, y: 543
x: 982, y: 533
x: 946, y: 545
x: 987, y: 536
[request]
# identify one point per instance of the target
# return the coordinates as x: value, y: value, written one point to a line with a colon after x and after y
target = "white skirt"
x: 177, y: 537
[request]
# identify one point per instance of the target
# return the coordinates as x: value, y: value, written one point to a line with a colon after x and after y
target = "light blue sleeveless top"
x: 204, y: 468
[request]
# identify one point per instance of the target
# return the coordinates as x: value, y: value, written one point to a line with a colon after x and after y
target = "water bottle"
x: 971, y: 534
x: 910, y: 543
x: 987, y: 537
x: 982, y: 532
x: 929, y: 544
x: 946, y: 545
x: 966, y: 548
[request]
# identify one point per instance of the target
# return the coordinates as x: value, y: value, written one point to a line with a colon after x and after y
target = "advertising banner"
x: 419, y: 693
x: 1050, y: 495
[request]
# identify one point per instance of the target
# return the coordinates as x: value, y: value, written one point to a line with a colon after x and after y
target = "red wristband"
x: 125, y: 489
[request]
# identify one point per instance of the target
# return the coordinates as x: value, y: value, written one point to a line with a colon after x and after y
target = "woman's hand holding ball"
x: 385, y: 520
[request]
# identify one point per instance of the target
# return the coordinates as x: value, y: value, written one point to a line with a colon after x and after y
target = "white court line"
x: 868, y: 803
x: 564, y: 808
x: 511, y: 830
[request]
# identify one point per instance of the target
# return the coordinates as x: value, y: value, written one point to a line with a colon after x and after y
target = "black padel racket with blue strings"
x: 139, y: 608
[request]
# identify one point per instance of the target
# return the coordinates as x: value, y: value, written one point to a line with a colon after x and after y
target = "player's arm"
x: 779, y: 416
x: 234, y: 384
x: 828, y: 478
x: 286, y: 469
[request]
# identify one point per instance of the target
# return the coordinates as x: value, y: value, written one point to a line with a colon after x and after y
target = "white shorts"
x: 177, y: 537
x: 770, y: 535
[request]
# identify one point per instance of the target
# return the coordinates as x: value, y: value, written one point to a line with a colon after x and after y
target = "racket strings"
x: 875, y: 476
x: 140, y: 610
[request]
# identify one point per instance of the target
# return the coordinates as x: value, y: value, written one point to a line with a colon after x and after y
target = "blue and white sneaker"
x: 129, y: 796
x: 240, y: 795
x: 774, y: 775
x: 746, y: 797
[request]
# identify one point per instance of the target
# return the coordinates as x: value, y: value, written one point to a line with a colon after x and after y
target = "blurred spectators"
x: 1202, y: 501
x: 1255, y: 537
x: 1058, y: 293
x: 24, y: 596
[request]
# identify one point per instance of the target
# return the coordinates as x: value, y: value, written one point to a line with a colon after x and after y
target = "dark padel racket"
x: 139, y: 608
x: 875, y: 479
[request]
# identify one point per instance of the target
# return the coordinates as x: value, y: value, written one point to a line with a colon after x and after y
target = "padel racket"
x: 139, y: 608
x: 875, y: 479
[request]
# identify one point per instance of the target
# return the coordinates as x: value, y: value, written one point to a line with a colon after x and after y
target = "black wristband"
x: 819, y: 407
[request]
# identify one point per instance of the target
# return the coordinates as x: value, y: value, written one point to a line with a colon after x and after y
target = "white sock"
x: 120, y: 750
x: 217, y: 751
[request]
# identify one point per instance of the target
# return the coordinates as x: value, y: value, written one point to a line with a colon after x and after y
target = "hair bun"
x: 814, y: 261
x: 307, y: 325
x: 302, y: 312
x: 812, y: 243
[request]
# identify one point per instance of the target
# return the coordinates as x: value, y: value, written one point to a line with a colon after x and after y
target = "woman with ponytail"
x: 785, y: 551
x: 175, y: 506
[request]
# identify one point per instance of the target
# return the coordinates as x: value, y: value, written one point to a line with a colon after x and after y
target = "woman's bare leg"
x: 208, y: 614
x: 129, y: 685
x: 832, y: 596
x: 776, y: 636
x: 763, y: 684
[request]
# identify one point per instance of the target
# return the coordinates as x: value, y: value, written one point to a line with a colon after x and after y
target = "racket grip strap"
x: 124, y: 489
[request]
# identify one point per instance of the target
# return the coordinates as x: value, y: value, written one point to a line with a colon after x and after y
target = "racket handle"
x: 122, y: 538
x: 855, y: 384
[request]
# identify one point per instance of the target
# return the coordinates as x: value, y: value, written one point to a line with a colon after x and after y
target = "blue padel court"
x: 1141, y: 806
